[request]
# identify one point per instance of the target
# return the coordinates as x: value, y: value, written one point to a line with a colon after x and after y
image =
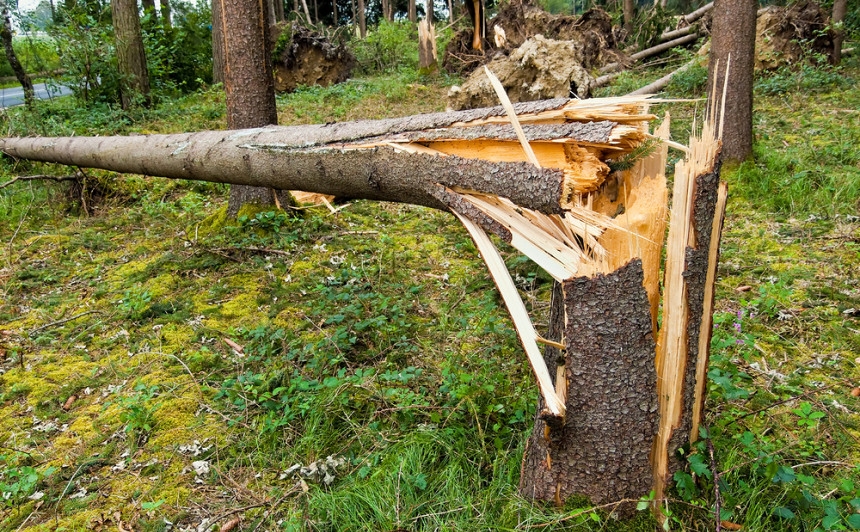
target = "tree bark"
x: 733, y: 35
x: 428, y: 11
x: 248, y: 82
x: 148, y: 7
x: 165, y: 13
x: 385, y: 9
x: 629, y: 12
x: 426, y: 47
x: 12, y: 57
x: 362, y: 22
x: 217, y: 43
x: 334, y: 13
x: 602, y: 449
x: 348, y: 160
x: 413, y: 12
x: 838, y: 17
x: 131, y: 59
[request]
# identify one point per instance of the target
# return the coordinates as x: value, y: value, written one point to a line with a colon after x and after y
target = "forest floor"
x: 162, y: 368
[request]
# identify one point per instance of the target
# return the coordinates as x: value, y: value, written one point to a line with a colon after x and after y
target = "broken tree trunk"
x: 579, y: 186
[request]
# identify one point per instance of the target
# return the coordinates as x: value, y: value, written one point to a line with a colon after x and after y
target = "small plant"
x: 18, y: 482
x: 137, y: 411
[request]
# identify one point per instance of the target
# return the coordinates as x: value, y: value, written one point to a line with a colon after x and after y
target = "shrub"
x: 394, y: 45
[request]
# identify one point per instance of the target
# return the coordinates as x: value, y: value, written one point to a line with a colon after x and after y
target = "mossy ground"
x: 155, y: 335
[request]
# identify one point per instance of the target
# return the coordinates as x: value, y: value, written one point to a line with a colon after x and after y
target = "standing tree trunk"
x: 413, y: 12
x: 451, y: 11
x: 385, y: 4
x: 839, y: 9
x: 629, y: 13
x: 362, y: 22
x: 165, y: 14
x: 131, y: 59
x: 12, y: 57
x: 334, y: 13
x: 148, y: 7
x: 248, y: 82
x: 316, y: 11
x: 217, y: 43
x: 733, y: 49
x: 428, y: 11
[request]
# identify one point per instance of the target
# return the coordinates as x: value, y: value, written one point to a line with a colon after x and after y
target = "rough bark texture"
x: 603, y: 448
x: 217, y: 43
x: 12, y: 57
x: 412, y: 12
x: 362, y: 20
x: 248, y: 81
x: 695, y: 274
x: 733, y: 32
x: 303, y: 158
x: 131, y: 59
x: 839, y: 9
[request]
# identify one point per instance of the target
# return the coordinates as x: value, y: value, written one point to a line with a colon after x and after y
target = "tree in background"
x: 837, y: 20
x: 131, y: 58
x: 20, y: 74
x: 217, y: 43
x: 733, y: 45
x: 248, y: 82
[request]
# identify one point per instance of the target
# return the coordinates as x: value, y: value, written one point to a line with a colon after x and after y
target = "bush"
x: 393, y: 46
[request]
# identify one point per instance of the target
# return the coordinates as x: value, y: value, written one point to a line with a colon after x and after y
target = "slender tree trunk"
x: 428, y: 10
x: 12, y: 57
x: 413, y: 12
x: 217, y: 43
x: 279, y: 10
x: 165, y: 14
x: 148, y: 7
x: 629, y: 12
x: 451, y: 11
x: 307, y: 11
x: 362, y: 22
x: 839, y: 9
x: 270, y: 6
x: 248, y: 82
x: 316, y: 11
x: 131, y: 58
x: 733, y: 35
x: 334, y: 13
x: 385, y: 9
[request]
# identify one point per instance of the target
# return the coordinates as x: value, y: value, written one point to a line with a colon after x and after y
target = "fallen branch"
x: 39, y: 178
x: 654, y: 50
x: 697, y: 14
x: 680, y: 32
x: 661, y: 83
x: 60, y: 322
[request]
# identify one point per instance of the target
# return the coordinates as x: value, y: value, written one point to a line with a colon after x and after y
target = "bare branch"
x: 39, y: 178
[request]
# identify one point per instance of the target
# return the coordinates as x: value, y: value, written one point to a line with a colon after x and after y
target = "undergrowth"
x: 162, y: 367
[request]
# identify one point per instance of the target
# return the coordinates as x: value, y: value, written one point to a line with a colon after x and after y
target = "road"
x: 15, y: 95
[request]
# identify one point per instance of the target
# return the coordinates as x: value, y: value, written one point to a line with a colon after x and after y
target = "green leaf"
x: 152, y: 505
x: 854, y: 521
x: 782, y: 511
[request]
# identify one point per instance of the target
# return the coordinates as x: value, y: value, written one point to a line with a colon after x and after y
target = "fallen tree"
x: 579, y: 187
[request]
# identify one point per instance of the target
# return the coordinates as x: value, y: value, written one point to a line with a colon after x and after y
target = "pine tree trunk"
x: 362, y: 24
x: 217, y: 43
x: 165, y: 14
x: 413, y: 12
x: 131, y: 58
x: 733, y: 34
x: 629, y: 12
x: 334, y: 13
x: 248, y: 82
x: 428, y: 10
x: 12, y: 57
x: 839, y: 9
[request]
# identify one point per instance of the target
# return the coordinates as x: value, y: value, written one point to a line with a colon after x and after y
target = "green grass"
x: 375, y: 336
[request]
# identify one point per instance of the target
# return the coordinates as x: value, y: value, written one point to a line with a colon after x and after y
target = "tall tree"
x: 248, y: 82
x: 217, y: 43
x: 362, y: 19
x: 733, y: 48
x: 131, y: 58
x: 412, y: 12
x: 629, y: 9
x: 165, y: 13
x: 12, y: 57
x: 428, y: 11
x: 839, y: 9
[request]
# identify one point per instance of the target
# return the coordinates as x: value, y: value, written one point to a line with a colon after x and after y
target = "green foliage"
x: 390, y: 47
x: 18, y: 482
x: 137, y: 411
x: 179, y: 58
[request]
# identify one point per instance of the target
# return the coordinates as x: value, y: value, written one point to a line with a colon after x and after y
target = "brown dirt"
x: 786, y: 35
x: 306, y: 58
x: 521, y: 20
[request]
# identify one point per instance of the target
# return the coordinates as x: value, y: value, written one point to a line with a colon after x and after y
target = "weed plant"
x: 357, y: 371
